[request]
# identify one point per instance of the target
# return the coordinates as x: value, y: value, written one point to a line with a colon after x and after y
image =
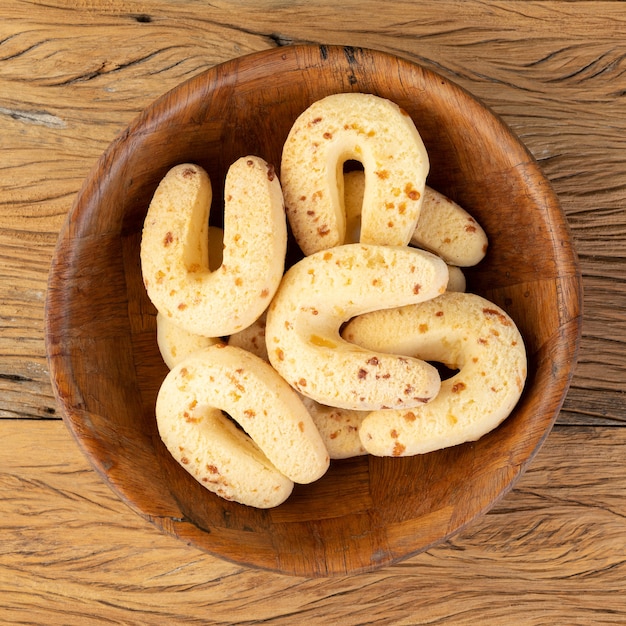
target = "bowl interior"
x: 106, y: 369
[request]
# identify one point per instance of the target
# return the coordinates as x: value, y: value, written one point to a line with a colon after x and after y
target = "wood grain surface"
x: 73, y: 75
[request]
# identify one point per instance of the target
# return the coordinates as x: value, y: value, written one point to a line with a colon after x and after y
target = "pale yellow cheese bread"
x: 366, y: 128
x: 174, y: 248
x: 456, y: 280
x: 465, y: 332
x: 252, y: 338
x: 280, y: 445
x: 339, y: 428
x: 176, y: 343
x: 324, y: 290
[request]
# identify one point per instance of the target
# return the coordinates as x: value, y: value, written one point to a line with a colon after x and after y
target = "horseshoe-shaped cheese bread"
x: 282, y: 445
x: 174, y: 254
x: 368, y: 129
x: 324, y: 290
x: 465, y: 332
x: 443, y: 227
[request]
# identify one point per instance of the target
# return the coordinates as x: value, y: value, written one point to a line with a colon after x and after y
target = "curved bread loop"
x: 450, y: 231
x: 465, y: 332
x: 371, y: 130
x: 444, y: 227
x: 281, y: 446
x: 321, y: 292
x: 174, y: 253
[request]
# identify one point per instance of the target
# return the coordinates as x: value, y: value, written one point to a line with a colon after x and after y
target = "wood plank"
x: 553, y: 70
x: 552, y: 550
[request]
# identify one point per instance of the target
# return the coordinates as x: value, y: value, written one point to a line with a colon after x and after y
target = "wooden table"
x: 75, y: 73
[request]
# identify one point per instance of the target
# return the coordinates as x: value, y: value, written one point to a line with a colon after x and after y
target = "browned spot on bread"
x: 498, y: 315
x: 168, y: 239
x: 458, y: 387
x: 411, y: 192
x: 398, y: 449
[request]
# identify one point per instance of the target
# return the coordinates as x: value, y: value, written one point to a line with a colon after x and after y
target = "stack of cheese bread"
x: 273, y: 373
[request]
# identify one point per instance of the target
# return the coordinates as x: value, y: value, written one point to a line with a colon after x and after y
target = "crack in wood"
x: 42, y: 118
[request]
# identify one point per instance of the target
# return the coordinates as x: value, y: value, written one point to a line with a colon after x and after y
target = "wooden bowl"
x: 105, y: 365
